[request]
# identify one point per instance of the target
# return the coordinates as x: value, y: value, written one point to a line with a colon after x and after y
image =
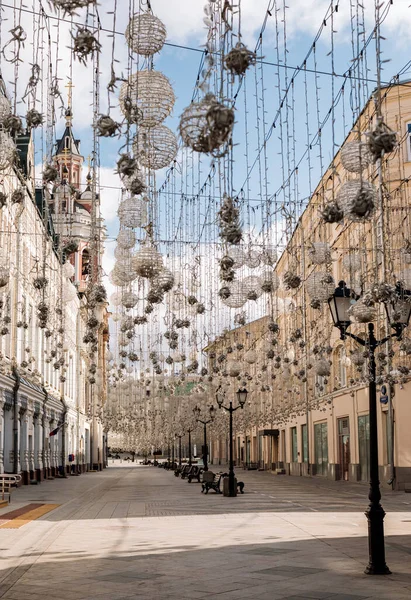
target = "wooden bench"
x: 251, y: 466
x: 7, y: 482
x: 215, y: 484
x: 178, y: 469
x: 185, y: 471
x: 195, y: 474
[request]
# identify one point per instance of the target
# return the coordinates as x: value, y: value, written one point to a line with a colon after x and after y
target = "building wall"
x: 46, y: 397
x: 286, y: 395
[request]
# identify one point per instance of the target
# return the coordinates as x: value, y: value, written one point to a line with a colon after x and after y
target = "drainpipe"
x: 43, y: 422
x: 63, y: 433
x: 16, y: 388
x: 391, y: 441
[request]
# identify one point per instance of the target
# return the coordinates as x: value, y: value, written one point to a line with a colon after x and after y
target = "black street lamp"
x: 197, y: 413
x: 189, y: 430
x: 398, y: 313
x: 179, y: 448
x: 242, y: 399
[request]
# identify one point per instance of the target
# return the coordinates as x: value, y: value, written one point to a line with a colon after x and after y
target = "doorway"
x: 344, y: 456
x: 321, y: 449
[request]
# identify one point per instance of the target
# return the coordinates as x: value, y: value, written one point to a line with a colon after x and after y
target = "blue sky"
x: 184, y: 22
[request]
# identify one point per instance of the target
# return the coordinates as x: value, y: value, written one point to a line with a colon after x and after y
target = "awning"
x: 272, y: 432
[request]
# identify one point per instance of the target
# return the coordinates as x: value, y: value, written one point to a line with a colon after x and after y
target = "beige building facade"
x: 308, y: 407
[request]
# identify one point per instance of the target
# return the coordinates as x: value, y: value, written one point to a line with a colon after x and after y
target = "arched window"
x: 85, y: 264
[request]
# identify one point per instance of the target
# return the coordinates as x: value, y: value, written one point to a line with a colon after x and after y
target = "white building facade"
x: 45, y: 386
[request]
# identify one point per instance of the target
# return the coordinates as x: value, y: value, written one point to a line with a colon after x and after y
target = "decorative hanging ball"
x: 237, y: 254
x: 358, y: 359
x: 362, y: 312
x: 148, y: 262
x: 13, y: 125
x: 85, y: 44
x: 123, y: 255
x: 322, y: 367
x: 7, y: 151
x: 250, y: 357
x: 122, y: 274
x: 320, y: 286
x: 34, y: 119
x: 129, y: 300
x: 134, y: 183
x: 320, y: 253
x: 156, y: 147
x: 269, y: 255
x: 132, y: 212
x: 207, y: 125
x: 17, y: 196
x: 291, y: 280
x: 357, y: 199
x: 146, y: 98
x: 5, y: 108
x: 237, y: 297
x: 164, y: 280
x: 233, y: 368
x: 107, y: 127
x: 50, y: 174
x: 352, y: 262
x: 239, y: 59
x: 229, y: 221
x: 145, y: 34
x: 69, y: 7
x: 381, y: 140
x: 115, y: 299
x: 68, y: 270
x: 4, y: 276
x: 126, y: 238
x: 253, y: 259
x: 270, y: 281
x: 332, y: 213
x: 252, y: 287
x: 155, y: 295
x: 97, y: 294
x: 355, y: 156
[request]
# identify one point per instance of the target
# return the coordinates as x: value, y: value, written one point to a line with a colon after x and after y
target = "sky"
x: 261, y: 102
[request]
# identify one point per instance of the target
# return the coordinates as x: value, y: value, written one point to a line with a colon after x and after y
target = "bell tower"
x: 71, y: 203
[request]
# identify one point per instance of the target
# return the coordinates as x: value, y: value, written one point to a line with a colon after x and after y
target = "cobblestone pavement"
x: 139, y: 532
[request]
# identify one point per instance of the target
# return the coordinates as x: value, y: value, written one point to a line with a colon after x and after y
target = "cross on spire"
x: 69, y: 110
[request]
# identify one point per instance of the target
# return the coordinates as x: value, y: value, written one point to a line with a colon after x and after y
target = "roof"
x: 74, y: 146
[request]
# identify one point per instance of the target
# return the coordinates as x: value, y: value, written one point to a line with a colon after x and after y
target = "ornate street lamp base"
x: 375, y: 516
x: 373, y: 570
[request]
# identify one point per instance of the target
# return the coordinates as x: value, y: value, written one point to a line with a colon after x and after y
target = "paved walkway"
x: 139, y: 532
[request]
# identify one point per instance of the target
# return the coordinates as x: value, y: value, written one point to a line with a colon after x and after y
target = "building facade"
x: 50, y: 414
x: 308, y: 408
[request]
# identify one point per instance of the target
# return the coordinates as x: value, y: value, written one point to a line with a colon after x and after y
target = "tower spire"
x: 69, y: 109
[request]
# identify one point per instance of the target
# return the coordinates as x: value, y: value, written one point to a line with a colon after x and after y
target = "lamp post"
x: 242, y: 398
x: 197, y: 413
x: 179, y: 448
x: 189, y: 430
x: 398, y: 313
